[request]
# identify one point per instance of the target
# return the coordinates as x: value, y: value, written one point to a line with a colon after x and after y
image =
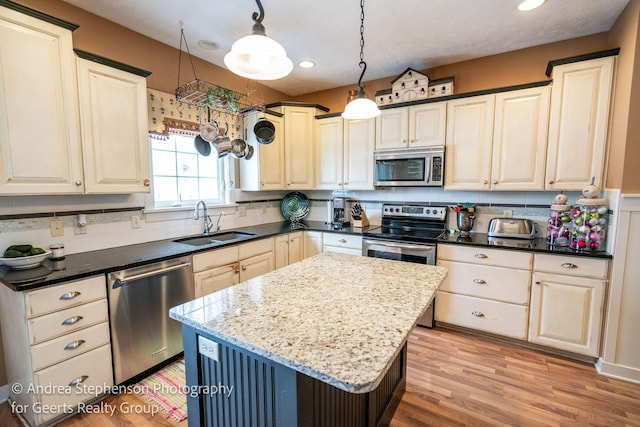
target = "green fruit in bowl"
x: 36, y: 251
x: 11, y: 253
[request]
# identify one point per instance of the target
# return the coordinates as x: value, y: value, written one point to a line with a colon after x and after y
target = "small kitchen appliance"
x: 408, y: 233
x: 339, y: 212
x: 513, y: 228
x: 410, y: 168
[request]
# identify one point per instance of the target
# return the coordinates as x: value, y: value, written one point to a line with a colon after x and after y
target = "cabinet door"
x: 580, y: 100
x: 312, y: 243
x: 468, y: 143
x: 272, y: 159
x: 392, y: 128
x: 209, y: 281
x: 358, y: 154
x: 39, y: 120
x: 281, y: 251
x: 520, y: 139
x: 113, y: 117
x: 427, y: 124
x: 256, y: 266
x: 329, y: 153
x: 567, y: 312
x: 295, y: 247
x: 298, y: 129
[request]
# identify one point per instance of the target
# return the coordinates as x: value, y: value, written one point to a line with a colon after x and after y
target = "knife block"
x: 362, y: 222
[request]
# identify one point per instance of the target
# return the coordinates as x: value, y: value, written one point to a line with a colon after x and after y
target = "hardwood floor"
x: 457, y: 379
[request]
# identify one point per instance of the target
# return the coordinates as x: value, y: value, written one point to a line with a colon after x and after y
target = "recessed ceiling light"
x: 208, y: 45
x: 530, y: 5
x: 306, y: 64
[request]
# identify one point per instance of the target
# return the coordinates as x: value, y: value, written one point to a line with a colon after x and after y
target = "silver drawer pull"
x: 481, y: 256
x: 70, y: 295
x: 78, y: 380
x: 477, y: 313
x: 568, y: 265
x: 479, y: 281
x: 72, y: 320
x: 74, y: 344
x: 342, y: 241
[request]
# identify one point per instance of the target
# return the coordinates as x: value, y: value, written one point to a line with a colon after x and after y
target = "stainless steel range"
x: 408, y: 233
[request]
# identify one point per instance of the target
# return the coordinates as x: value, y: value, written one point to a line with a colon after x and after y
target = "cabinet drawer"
x: 486, y: 315
x: 62, y: 322
x: 70, y: 345
x: 496, y: 283
x: 340, y: 250
x: 485, y: 256
x: 215, y: 258
x: 343, y: 241
x: 94, y: 365
x: 66, y: 295
x: 247, y: 250
x: 571, y: 265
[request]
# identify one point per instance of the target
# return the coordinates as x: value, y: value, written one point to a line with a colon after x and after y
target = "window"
x: 181, y: 176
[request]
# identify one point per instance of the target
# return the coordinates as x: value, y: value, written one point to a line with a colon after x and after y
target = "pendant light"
x: 361, y: 107
x: 257, y: 56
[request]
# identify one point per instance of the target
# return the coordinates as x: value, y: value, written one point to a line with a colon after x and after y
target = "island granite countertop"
x: 341, y: 319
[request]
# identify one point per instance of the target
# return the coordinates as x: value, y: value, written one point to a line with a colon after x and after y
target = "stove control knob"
x: 429, y: 211
x: 397, y: 209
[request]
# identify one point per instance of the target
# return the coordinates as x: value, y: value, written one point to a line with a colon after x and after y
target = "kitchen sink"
x: 214, y: 238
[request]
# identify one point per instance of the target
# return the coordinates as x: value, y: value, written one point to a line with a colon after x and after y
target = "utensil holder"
x: 464, y: 221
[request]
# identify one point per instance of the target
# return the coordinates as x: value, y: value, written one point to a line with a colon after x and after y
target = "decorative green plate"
x: 295, y: 206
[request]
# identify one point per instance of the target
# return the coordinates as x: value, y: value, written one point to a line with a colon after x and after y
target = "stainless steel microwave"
x: 410, y: 168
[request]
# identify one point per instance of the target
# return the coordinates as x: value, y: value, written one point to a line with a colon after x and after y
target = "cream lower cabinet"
x: 312, y: 244
x: 485, y: 289
x: 39, y: 117
x: 113, y: 118
x: 288, y: 249
x: 56, y: 338
x: 342, y: 243
x: 567, y: 303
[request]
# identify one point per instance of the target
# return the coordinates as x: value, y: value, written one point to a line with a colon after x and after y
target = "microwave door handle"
x: 427, y: 166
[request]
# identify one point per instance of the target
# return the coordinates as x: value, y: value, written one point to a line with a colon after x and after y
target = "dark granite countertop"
x: 81, y: 265
x: 535, y: 245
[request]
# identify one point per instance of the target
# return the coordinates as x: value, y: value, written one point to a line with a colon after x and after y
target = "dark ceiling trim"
x: 585, y: 57
x: 37, y: 14
x: 111, y: 63
x: 298, y: 104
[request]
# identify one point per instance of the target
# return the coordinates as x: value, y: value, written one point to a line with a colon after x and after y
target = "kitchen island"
x: 321, y: 342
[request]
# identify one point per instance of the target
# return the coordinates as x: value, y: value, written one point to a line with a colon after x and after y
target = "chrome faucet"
x: 208, y: 223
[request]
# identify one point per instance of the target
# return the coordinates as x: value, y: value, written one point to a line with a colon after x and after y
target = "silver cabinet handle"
x: 477, y: 313
x: 244, y: 268
x: 538, y: 282
x: 70, y: 295
x: 71, y: 320
x: 481, y: 256
x: 78, y: 380
x: 568, y: 265
x: 146, y: 182
x: 551, y: 182
x: 479, y: 281
x: 342, y: 241
x: 74, y: 344
x: 495, y: 182
x: 485, y: 182
x: 78, y: 183
x: 123, y: 281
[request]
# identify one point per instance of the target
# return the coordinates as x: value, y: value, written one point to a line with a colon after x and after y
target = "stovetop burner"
x: 415, y: 223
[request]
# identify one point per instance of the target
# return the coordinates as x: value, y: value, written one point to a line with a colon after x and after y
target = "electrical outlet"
x: 242, y: 210
x: 79, y: 229
x: 135, y: 221
x: 508, y: 213
x: 57, y: 229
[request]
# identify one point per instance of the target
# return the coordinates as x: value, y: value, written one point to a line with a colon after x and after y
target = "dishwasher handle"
x: 119, y: 282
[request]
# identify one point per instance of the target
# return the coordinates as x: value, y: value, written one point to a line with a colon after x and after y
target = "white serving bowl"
x: 22, y: 263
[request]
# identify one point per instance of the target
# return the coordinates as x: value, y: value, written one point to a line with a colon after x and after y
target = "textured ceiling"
x: 398, y: 34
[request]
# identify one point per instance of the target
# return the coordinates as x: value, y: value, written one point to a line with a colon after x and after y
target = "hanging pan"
x: 265, y: 131
x: 202, y: 145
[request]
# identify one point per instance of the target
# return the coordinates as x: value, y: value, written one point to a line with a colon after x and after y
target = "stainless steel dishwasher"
x: 142, y: 334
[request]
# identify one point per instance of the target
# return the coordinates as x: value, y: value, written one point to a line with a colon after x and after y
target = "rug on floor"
x: 167, y: 389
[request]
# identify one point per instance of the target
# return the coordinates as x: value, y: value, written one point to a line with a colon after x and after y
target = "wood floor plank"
x: 457, y: 379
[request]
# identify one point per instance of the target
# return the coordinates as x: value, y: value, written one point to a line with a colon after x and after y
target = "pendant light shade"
x: 361, y: 107
x: 257, y: 56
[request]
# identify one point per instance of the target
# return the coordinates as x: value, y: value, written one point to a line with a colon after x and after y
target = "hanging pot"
x: 209, y: 131
x: 239, y: 147
x: 223, y: 146
x: 265, y: 131
x: 250, y: 150
x: 202, y: 145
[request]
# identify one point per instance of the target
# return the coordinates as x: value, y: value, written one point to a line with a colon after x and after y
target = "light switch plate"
x: 57, y: 229
x: 135, y: 221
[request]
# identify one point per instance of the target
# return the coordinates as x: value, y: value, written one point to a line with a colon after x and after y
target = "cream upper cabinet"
x: 358, y: 154
x: 39, y: 119
x: 329, y: 153
x: 468, y: 143
x: 578, y: 125
x: 266, y: 169
x: 520, y: 139
x: 411, y: 127
x: 113, y: 117
x: 298, y: 148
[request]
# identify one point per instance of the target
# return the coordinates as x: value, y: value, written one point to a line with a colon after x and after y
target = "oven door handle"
x: 424, y: 248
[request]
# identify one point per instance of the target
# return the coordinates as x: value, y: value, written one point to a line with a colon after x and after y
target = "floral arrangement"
x: 464, y: 207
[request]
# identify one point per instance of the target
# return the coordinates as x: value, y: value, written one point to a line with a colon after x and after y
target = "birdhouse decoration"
x: 441, y: 87
x: 410, y: 86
